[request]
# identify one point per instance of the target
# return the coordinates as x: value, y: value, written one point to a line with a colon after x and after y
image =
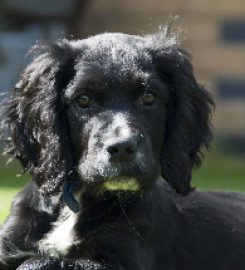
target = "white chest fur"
x: 62, y: 236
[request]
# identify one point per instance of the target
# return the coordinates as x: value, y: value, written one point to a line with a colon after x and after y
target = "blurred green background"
x: 220, y: 170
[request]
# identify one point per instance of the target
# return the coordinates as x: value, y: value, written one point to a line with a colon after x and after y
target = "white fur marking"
x: 62, y: 237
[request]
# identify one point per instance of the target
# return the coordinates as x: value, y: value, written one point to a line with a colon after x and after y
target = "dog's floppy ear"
x: 35, y: 116
x: 188, y: 115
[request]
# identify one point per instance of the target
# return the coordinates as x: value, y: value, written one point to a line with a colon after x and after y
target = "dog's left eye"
x: 148, y: 99
x: 84, y: 101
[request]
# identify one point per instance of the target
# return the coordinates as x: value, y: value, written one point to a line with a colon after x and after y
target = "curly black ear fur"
x: 188, y: 119
x: 38, y: 133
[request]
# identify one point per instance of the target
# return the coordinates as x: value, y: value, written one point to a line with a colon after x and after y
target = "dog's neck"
x: 108, y: 203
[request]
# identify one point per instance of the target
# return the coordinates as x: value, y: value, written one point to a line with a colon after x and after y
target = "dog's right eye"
x: 84, y: 101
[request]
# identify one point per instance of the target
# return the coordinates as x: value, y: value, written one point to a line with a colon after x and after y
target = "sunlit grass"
x: 10, y: 184
x: 220, y: 172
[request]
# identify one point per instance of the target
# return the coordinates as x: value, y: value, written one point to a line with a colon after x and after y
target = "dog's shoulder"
x: 213, y: 205
x: 216, y: 199
x: 28, y: 197
x: 221, y: 209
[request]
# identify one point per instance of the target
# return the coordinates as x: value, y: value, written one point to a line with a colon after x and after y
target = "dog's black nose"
x: 123, y: 149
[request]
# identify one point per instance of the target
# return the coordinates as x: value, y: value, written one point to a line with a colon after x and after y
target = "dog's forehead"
x: 107, y: 39
x: 114, y: 54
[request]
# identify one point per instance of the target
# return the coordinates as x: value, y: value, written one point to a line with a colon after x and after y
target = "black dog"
x: 116, y: 121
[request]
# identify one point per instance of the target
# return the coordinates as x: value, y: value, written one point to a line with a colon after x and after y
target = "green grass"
x: 10, y: 184
x: 218, y: 171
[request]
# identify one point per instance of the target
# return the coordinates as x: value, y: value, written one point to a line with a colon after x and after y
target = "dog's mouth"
x: 120, y: 183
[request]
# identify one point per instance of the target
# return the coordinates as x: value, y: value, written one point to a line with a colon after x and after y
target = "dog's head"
x: 110, y: 109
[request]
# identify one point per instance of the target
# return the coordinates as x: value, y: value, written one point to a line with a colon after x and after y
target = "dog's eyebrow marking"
x: 93, y: 78
x: 89, y: 79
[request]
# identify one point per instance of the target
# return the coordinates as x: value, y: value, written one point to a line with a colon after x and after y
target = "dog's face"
x: 115, y: 104
x: 109, y: 110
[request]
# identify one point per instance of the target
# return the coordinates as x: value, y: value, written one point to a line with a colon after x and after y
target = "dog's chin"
x: 128, y: 180
x: 122, y: 189
x: 121, y: 184
x: 116, y: 185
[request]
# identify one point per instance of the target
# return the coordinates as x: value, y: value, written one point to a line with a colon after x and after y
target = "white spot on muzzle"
x: 120, y: 124
x: 62, y: 236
